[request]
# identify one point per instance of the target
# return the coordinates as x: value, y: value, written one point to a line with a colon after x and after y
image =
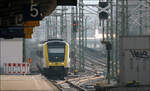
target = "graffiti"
x: 140, y: 53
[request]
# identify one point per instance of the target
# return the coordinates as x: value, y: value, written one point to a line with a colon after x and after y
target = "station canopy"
x: 24, y: 15
x: 12, y: 9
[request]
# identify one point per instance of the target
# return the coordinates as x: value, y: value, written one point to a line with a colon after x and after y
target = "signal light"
x: 103, y: 10
x: 74, y: 25
x: 103, y: 4
x: 103, y: 15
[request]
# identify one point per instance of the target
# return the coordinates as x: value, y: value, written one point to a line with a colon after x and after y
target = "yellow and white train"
x: 55, y: 61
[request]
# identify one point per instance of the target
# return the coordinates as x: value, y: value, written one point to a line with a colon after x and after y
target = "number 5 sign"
x: 34, y: 12
x: 31, y: 12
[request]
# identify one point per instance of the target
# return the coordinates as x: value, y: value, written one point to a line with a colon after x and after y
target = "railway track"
x: 67, y: 86
x: 94, y: 61
x: 84, y: 82
x: 95, y: 55
x: 75, y: 83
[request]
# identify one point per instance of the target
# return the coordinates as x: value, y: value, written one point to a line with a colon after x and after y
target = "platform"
x: 25, y: 83
x: 103, y: 86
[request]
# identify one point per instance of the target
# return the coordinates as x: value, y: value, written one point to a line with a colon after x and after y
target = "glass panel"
x: 56, y: 50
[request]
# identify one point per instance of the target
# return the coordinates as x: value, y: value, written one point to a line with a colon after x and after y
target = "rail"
x: 76, y: 86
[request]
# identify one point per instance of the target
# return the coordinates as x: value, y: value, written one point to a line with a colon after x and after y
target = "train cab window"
x: 56, y: 50
x: 56, y: 54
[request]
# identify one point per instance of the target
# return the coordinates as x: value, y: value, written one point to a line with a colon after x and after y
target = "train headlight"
x: 62, y: 63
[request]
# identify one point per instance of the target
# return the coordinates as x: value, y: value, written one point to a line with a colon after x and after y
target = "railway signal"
x: 74, y: 26
x: 103, y: 7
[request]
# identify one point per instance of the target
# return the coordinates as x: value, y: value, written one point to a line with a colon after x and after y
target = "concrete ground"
x: 25, y: 83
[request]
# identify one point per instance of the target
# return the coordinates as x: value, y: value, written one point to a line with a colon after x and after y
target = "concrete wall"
x: 135, y: 59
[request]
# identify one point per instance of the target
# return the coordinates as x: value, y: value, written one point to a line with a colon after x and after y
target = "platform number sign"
x: 34, y: 11
x: 31, y: 12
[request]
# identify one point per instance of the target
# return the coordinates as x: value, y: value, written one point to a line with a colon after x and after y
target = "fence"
x: 16, y: 68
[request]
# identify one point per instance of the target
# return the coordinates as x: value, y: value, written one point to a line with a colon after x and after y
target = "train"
x: 55, y: 60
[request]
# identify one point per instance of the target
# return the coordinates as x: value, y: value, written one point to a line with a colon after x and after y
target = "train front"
x: 56, y: 59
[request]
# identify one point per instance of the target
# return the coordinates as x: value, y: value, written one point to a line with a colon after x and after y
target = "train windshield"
x: 56, y: 54
x: 56, y: 50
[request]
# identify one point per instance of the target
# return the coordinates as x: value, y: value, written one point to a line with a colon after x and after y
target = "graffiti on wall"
x: 140, y: 53
x: 138, y: 58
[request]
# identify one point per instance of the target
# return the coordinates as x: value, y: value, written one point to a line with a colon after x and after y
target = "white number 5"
x: 34, y: 11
